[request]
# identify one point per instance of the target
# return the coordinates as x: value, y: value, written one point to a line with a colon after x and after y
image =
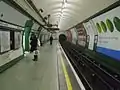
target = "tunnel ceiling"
x: 67, y: 13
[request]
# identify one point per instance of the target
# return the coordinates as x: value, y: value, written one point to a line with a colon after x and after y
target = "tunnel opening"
x: 62, y: 38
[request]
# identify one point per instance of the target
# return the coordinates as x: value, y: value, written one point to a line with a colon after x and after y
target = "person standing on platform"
x: 31, y: 42
x: 51, y: 39
x: 34, y: 44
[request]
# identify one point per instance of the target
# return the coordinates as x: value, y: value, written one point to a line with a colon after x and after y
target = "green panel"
x: 27, y: 31
x: 23, y: 42
x: 28, y: 26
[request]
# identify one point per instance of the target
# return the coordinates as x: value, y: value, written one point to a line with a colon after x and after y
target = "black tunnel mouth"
x: 62, y: 38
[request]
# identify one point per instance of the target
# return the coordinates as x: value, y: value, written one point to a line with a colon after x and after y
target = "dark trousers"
x: 41, y: 44
x: 50, y: 42
x: 33, y: 48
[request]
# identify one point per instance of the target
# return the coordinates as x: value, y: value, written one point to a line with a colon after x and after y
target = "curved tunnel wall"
x: 12, y: 30
x: 62, y: 38
x: 9, y: 14
x: 100, y: 34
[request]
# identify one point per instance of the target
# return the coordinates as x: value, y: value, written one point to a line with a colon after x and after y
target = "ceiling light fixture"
x: 61, y: 11
x: 64, y: 3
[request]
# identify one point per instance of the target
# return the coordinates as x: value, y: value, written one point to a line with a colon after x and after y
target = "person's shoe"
x: 33, y: 59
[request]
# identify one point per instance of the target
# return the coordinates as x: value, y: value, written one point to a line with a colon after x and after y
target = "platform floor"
x: 45, y: 74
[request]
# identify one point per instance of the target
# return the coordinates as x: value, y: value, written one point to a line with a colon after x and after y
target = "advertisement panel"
x: 18, y: 40
x: 74, y: 35
x: 108, y: 28
x: 4, y: 41
x: 90, y: 35
x: 69, y: 35
x: 81, y: 35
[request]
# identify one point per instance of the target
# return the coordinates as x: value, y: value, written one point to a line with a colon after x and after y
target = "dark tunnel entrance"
x: 62, y: 38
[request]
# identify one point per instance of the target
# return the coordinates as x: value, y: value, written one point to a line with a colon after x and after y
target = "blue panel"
x: 109, y: 52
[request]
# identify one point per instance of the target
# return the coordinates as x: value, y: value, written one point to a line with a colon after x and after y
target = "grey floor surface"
x: 45, y: 74
x: 30, y: 75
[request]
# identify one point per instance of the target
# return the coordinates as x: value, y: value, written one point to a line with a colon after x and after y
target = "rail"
x: 93, y: 76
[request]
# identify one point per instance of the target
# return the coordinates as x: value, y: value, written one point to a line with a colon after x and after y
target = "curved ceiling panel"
x: 70, y: 12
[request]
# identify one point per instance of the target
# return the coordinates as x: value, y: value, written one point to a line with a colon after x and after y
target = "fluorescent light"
x: 64, y: 1
x: 64, y: 5
x: 62, y: 11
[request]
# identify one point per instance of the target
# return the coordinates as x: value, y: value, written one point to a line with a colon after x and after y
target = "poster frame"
x: 5, y: 28
x: 2, y: 52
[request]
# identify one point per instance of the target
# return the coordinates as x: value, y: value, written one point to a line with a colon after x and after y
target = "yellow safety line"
x: 69, y: 85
